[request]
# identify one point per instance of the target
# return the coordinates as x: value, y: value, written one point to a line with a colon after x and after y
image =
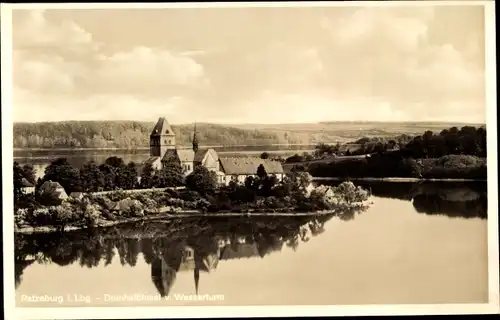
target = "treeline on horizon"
x: 135, y: 134
x: 128, y: 135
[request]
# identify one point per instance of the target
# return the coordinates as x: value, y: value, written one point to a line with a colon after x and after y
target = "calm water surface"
x: 417, y: 243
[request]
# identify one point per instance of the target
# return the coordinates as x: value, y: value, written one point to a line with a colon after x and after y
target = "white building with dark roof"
x: 27, y: 186
x: 238, y: 169
x: 162, y: 147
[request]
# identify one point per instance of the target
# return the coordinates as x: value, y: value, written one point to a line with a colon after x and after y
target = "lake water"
x: 417, y: 243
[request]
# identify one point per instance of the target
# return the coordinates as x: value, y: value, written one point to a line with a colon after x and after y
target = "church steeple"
x: 195, y: 139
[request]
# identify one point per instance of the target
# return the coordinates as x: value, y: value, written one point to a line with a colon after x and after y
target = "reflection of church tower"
x: 163, y: 276
x: 162, y: 138
x: 195, y: 139
x: 206, y: 263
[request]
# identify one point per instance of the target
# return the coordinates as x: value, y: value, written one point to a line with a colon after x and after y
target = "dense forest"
x: 127, y: 135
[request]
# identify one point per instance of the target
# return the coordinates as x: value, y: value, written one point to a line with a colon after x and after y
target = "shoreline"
x: 169, y: 215
x: 398, y: 179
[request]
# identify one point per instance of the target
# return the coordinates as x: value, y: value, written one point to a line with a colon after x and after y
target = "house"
x: 238, y: 169
x: 76, y: 195
x: 53, y: 191
x: 27, y: 187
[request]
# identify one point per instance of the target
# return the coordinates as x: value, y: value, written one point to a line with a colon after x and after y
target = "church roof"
x: 151, y: 160
x: 186, y: 155
x: 249, y: 166
x: 162, y: 127
x: 169, y: 154
x: 201, y: 153
x: 25, y: 183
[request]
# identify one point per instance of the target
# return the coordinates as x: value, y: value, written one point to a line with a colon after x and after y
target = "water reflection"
x: 169, y: 247
x: 455, y: 200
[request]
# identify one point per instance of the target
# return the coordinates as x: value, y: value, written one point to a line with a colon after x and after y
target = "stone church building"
x: 162, y: 147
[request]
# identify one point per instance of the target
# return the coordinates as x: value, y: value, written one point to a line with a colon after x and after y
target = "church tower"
x: 195, y: 140
x: 162, y: 138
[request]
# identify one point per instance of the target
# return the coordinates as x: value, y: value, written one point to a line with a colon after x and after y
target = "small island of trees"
x: 115, y: 191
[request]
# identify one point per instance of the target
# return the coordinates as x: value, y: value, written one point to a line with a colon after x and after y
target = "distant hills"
x: 135, y: 134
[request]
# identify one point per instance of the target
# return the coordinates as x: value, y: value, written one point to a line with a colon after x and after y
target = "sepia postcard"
x: 249, y: 159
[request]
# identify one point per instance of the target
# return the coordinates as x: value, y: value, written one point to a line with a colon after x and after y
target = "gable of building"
x: 186, y: 155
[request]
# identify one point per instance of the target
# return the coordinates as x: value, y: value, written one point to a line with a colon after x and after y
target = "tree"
x: 29, y: 173
x: 115, y: 162
x: 264, y: 155
x: 308, y: 157
x: 171, y: 174
x: 261, y: 172
x: 92, y: 179
x: 147, y: 176
x: 116, y: 173
x: 60, y: 170
x: 128, y: 176
x: 18, y: 177
x: 297, y: 181
x: 109, y: 174
x: 249, y: 182
x: 295, y: 158
x: 202, y: 180
x: 267, y: 185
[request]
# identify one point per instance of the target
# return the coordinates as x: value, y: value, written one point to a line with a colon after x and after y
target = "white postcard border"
x: 11, y: 312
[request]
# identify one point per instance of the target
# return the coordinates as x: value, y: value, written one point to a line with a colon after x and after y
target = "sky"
x: 250, y: 65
